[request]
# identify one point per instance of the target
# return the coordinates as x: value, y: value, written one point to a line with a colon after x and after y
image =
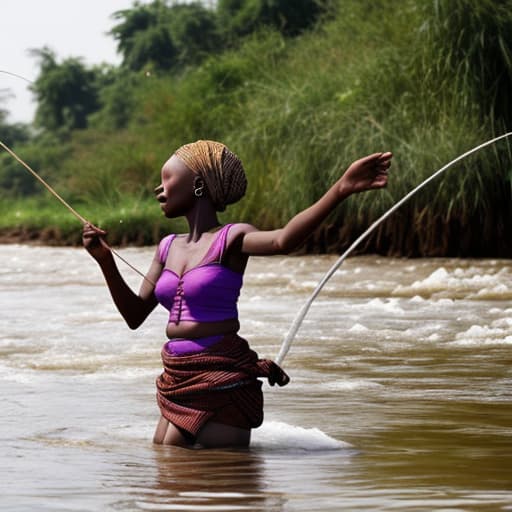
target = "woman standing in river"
x: 209, y: 393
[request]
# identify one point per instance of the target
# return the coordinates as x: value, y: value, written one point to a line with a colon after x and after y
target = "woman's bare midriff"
x: 194, y: 330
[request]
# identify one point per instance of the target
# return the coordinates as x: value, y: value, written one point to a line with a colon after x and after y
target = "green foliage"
x: 208, y: 101
x: 104, y: 170
x: 152, y: 48
x: 12, y: 133
x: 43, y: 154
x: 66, y: 93
x: 117, y: 97
x: 427, y: 80
x: 158, y: 37
x: 469, y: 42
x: 239, y: 18
x: 195, y: 32
x: 133, y: 222
x: 134, y: 22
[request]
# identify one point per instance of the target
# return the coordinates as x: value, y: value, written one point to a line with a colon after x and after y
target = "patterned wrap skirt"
x: 218, y: 384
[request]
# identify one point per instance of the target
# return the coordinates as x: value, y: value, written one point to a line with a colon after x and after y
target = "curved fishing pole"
x: 83, y: 220
x: 287, y: 341
x: 52, y: 191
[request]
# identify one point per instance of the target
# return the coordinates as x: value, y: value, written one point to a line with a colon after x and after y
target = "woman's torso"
x: 200, y: 283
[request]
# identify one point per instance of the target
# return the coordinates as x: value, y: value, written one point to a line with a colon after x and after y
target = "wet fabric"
x: 219, y: 384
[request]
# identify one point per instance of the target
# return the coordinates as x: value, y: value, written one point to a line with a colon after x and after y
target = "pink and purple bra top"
x: 206, y: 293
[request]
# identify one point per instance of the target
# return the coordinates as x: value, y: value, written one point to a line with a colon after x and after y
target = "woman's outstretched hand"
x: 92, y: 239
x: 367, y: 173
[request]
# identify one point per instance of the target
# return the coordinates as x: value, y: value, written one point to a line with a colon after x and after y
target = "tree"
x: 291, y: 17
x: 118, y: 97
x: 11, y: 134
x: 152, y: 48
x: 66, y: 93
x: 143, y: 38
x: 194, y: 31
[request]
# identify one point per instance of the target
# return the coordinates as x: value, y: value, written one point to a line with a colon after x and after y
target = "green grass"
x: 134, y: 222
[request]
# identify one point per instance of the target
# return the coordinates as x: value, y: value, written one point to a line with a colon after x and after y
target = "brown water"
x: 401, y: 392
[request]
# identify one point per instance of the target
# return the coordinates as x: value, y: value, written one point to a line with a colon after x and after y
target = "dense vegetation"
x: 298, y: 89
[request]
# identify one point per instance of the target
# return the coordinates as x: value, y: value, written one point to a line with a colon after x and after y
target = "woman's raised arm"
x: 368, y: 173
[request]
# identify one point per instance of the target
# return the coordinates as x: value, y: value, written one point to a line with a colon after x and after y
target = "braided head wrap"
x: 221, y: 170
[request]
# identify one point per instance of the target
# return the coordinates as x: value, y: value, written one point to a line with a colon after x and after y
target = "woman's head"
x: 221, y: 170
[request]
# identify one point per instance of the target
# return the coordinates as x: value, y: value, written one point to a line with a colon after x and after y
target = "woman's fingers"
x: 93, y: 238
x: 90, y: 230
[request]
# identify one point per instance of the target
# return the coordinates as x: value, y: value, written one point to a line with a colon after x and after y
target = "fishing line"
x: 16, y: 76
x: 287, y: 341
x: 83, y: 220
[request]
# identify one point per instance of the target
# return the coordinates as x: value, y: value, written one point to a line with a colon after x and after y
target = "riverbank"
x: 403, y: 236
x: 48, y: 237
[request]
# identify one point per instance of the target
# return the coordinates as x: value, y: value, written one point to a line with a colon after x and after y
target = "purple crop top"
x: 206, y: 293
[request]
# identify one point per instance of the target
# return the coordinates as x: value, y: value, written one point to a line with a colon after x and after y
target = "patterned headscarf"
x: 221, y: 170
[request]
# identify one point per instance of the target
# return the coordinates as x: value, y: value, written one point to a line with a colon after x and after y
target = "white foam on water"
x: 283, y: 436
x: 143, y: 431
x: 469, y: 280
x: 493, y: 292
x: 19, y: 376
x: 498, y: 333
x: 444, y: 302
x: 358, y: 328
x: 503, y: 322
x: 305, y: 285
x: 436, y: 279
x: 498, y: 311
x: 424, y: 331
x: 349, y: 384
x: 390, y: 306
x: 272, y: 435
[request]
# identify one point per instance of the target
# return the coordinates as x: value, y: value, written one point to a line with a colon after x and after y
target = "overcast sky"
x: 71, y: 28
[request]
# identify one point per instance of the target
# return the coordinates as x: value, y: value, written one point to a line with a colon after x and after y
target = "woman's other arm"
x: 134, y: 308
x: 368, y: 173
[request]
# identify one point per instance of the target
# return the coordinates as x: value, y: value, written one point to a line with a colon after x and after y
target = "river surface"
x: 400, y: 398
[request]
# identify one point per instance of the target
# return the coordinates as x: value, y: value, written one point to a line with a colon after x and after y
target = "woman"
x: 209, y: 393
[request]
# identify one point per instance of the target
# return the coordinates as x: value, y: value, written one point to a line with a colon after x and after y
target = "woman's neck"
x: 201, y: 219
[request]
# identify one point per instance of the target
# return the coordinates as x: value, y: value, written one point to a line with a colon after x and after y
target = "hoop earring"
x: 199, y: 191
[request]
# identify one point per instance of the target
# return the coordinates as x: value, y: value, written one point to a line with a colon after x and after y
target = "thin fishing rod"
x: 48, y: 187
x: 83, y: 220
x: 287, y: 341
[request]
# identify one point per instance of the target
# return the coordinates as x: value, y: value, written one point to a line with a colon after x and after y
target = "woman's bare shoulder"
x: 239, y: 230
x: 237, y: 233
x: 242, y: 228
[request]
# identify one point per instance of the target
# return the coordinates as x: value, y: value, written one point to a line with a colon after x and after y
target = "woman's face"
x: 176, y: 192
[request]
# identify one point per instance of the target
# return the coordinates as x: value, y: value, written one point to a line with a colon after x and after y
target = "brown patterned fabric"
x: 221, y: 170
x: 218, y: 384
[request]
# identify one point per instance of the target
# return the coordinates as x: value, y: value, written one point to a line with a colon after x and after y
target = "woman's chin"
x: 171, y: 214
